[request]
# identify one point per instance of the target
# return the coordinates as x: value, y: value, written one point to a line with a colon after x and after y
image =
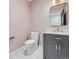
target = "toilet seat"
x: 30, y: 41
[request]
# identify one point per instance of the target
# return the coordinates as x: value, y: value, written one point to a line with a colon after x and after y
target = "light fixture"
x: 29, y: 0
x: 53, y: 2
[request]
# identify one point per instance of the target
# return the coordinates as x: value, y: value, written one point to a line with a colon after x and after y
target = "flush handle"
x: 11, y: 38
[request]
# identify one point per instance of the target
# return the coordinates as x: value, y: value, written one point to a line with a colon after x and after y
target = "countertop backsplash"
x: 59, y: 29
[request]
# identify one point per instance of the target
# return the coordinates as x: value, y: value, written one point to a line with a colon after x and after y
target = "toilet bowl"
x: 31, y: 43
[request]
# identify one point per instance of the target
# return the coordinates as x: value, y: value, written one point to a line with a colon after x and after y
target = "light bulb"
x: 53, y: 2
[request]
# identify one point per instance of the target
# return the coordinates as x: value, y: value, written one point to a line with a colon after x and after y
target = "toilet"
x: 32, y: 43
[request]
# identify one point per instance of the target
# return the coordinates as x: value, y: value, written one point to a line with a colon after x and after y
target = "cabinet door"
x: 56, y: 46
x: 64, y: 48
x: 51, y: 52
x: 50, y: 47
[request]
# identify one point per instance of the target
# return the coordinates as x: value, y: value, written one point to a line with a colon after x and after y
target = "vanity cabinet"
x: 55, y: 46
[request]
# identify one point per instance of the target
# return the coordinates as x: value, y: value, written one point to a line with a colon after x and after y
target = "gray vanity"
x: 55, y: 46
x: 56, y: 41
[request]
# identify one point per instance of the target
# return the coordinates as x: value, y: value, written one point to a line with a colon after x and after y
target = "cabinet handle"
x: 56, y: 46
x: 59, y: 47
x: 58, y: 38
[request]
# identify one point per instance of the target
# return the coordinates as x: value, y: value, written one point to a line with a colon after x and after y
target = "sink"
x: 57, y: 31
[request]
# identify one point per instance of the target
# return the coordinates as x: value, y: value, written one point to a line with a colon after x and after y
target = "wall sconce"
x: 53, y: 2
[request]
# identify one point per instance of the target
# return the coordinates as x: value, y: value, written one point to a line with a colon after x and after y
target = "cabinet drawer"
x: 52, y: 38
x: 49, y: 37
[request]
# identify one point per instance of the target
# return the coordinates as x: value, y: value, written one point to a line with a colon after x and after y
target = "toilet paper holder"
x: 11, y: 37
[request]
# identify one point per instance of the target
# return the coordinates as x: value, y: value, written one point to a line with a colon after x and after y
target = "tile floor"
x: 38, y: 54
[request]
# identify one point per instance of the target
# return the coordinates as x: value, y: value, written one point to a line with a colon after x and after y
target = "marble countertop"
x: 59, y: 33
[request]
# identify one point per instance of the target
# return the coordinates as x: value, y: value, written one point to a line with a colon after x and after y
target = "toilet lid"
x: 29, y: 41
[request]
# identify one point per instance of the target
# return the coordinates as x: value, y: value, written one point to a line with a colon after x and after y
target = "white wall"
x: 19, y: 22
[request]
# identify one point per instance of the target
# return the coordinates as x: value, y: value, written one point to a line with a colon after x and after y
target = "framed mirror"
x: 58, y: 15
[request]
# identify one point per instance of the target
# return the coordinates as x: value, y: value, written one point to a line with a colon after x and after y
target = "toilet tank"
x: 34, y: 35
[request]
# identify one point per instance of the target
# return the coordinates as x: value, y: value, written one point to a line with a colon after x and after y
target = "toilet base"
x: 31, y: 48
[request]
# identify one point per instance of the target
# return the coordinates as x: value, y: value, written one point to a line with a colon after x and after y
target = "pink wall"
x: 26, y: 17
x: 19, y: 22
x: 40, y: 16
x: 40, y: 10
